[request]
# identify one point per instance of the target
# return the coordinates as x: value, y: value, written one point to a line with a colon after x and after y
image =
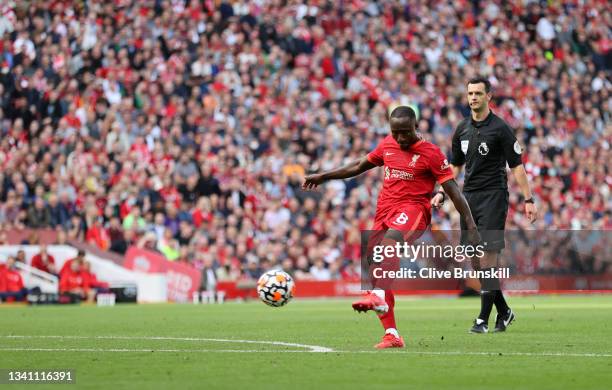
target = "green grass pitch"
x: 557, y: 342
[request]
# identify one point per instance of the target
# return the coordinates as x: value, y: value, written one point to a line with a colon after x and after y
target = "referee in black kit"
x: 484, y: 143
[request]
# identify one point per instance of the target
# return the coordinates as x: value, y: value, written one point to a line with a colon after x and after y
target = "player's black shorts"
x: 489, y: 209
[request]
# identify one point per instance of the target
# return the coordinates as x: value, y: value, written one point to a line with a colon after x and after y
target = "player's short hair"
x: 403, y: 112
x: 483, y: 80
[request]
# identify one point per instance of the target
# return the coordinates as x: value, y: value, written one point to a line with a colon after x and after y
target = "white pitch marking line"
x: 311, y: 348
x: 443, y: 353
x: 493, y: 353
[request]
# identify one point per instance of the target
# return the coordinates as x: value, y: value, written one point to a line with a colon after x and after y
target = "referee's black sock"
x: 500, y: 303
x: 486, y: 304
x: 489, y: 291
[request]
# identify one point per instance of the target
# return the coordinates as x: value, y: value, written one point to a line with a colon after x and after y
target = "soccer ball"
x: 275, y: 288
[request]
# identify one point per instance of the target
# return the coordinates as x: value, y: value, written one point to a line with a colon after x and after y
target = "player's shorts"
x: 489, y: 209
x: 410, y: 219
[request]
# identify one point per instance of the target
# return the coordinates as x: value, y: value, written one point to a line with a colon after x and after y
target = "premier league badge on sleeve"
x: 483, y: 149
x: 517, y: 148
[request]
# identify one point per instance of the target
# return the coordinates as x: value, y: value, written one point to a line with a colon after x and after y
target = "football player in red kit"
x: 412, y: 167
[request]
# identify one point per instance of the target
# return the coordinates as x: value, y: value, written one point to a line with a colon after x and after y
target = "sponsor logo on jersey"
x: 397, y: 174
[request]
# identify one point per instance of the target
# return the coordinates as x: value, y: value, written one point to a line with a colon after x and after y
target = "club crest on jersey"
x: 464, y: 146
x: 415, y: 158
x: 483, y: 148
x: 444, y: 165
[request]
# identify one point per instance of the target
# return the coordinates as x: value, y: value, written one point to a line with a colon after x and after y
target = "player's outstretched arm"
x: 438, y: 199
x: 452, y: 190
x: 352, y: 169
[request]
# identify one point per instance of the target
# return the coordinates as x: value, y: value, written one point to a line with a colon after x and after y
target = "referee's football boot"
x: 502, y: 321
x: 480, y: 326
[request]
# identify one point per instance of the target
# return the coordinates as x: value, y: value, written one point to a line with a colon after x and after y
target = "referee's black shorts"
x: 489, y: 209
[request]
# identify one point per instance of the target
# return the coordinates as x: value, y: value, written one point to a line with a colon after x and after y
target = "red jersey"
x: 13, y: 281
x: 38, y: 263
x: 2, y: 278
x: 66, y: 266
x: 69, y: 280
x: 98, y: 236
x: 410, y: 175
x: 91, y: 280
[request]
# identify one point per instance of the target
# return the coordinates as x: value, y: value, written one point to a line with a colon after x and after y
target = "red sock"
x: 388, y: 319
x: 391, y: 263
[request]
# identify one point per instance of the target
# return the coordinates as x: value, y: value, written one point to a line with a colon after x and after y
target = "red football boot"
x: 390, y: 341
x: 371, y: 302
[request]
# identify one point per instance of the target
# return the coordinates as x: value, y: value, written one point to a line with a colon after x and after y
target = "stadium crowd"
x: 186, y: 127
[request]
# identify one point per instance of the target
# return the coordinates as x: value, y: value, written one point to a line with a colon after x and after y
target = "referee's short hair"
x: 478, y: 80
x: 403, y: 112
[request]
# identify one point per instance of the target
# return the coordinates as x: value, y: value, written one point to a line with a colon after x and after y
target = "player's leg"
x: 405, y: 225
x: 383, y: 292
x: 383, y: 289
x: 373, y: 299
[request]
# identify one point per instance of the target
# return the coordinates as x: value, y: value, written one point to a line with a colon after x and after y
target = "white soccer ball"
x: 275, y: 288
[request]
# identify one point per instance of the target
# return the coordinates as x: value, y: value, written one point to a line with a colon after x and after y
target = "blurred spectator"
x: 39, y: 214
x: 98, y: 235
x: 11, y: 283
x: 59, y: 213
x: 319, y: 271
x: 134, y: 220
x: 78, y: 260
x: 91, y: 281
x: 168, y: 246
x: 44, y: 261
x: 252, y: 270
x: 72, y: 285
x: 21, y: 256
x: 117, y: 237
x: 209, y: 278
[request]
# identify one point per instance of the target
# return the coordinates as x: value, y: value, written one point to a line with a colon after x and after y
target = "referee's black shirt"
x: 485, y: 147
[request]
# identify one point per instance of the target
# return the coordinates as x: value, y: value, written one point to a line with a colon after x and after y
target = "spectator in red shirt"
x: 2, y: 278
x: 79, y: 259
x: 12, y: 287
x: 98, y: 236
x: 91, y: 280
x: 44, y: 261
x: 73, y: 285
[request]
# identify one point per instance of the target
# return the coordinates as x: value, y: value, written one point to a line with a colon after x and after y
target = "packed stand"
x: 187, y: 128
